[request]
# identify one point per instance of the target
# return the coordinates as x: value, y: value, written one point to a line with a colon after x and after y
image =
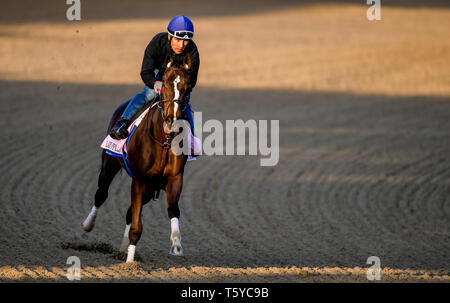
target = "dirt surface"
x: 364, y: 167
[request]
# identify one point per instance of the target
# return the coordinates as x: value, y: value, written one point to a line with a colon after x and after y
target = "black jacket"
x: 157, y: 55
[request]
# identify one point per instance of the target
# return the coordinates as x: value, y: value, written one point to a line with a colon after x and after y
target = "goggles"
x: 181, y: 34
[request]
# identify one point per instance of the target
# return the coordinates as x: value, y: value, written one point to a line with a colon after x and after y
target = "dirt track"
x: 364, y: 169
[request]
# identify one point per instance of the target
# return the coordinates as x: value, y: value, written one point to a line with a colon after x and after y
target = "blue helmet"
x: 181, y: 27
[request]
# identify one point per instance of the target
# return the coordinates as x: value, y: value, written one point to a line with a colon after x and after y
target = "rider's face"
x: 177, y: 45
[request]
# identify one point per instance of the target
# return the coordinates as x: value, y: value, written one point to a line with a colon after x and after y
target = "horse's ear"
x: 170, y: 62
x: 187, y: 61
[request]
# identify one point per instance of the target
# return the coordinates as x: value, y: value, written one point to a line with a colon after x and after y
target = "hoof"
x: 89, y: 223
x: 176, y: 249
x: 131, y: 252
x: 88, y: 226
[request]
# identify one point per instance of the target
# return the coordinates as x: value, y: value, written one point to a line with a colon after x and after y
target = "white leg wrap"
x: 131, y: 251
x: 88, y: 224
x: 175, y: 238
x: 175, y: 228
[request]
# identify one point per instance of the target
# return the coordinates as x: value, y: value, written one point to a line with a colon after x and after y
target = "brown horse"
x: 152, y: 164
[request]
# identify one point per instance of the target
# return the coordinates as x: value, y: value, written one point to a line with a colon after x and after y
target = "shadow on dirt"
x: 359, y: 175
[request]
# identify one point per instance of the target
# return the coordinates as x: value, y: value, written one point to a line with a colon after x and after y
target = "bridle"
x: 182, y: 103
x: 160, y: 104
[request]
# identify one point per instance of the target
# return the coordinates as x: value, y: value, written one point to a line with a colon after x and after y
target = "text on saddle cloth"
x: 118, y: 147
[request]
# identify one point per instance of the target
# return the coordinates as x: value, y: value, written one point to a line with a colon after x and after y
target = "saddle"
x: 119, y: 148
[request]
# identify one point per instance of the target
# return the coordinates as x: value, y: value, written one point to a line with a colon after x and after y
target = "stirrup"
x: 120, y: 130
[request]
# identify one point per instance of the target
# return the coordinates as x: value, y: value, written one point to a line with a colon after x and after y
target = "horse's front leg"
x: 173, y: 192
x: 137, y: 193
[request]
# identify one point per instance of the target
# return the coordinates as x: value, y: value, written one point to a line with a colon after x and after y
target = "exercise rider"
x: 176, y: 43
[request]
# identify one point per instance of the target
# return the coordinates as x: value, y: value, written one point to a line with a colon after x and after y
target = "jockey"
x: 176, y: 42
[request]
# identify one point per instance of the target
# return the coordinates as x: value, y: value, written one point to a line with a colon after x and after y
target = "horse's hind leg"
x: 110, y: 167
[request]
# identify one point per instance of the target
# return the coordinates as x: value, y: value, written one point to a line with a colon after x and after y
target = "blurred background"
x: 364, y: 140
x: 295, y: 45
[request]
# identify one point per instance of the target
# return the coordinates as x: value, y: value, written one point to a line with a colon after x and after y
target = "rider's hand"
x: 157, y: 86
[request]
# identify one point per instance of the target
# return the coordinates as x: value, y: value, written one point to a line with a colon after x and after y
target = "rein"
x: 182, y: 104
x: 166, y: 145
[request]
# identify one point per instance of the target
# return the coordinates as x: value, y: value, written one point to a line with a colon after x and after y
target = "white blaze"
x: 176, y: 97
x: 175, y: 112
x: 175, y: 87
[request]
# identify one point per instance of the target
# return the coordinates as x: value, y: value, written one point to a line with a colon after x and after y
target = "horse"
x: 152, y: 164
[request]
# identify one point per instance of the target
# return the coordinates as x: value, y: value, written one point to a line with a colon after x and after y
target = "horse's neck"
x: 154, y: 122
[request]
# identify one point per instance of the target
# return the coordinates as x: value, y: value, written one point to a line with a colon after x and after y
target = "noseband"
x: 181, y: 103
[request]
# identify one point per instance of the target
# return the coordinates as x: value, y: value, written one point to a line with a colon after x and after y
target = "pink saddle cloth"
x: 118, y: 147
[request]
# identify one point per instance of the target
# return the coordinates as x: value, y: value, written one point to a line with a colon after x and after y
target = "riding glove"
x: 157, y: 86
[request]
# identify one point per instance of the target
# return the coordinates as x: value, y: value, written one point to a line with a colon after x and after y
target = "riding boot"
x: 190, y: 118
x: 120, y: 130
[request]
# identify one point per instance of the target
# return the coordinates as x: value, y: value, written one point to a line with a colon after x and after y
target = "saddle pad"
x: 117, y: 146
x: 192, y: 141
